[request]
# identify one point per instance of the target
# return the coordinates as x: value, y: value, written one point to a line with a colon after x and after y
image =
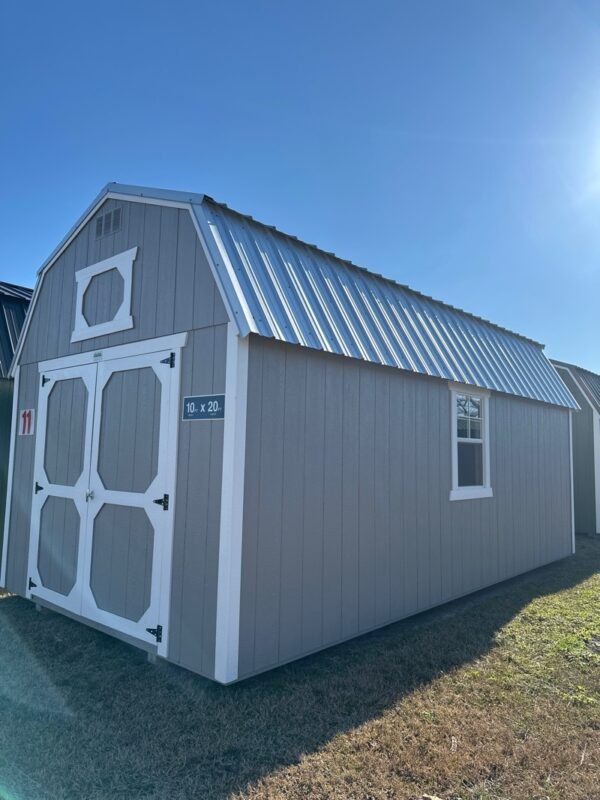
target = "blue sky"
x: 454, y: 146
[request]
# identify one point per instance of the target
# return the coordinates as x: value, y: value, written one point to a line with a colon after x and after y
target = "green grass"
x: 495, y: 696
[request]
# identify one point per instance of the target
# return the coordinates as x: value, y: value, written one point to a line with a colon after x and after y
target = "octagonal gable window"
x: 103, y: 299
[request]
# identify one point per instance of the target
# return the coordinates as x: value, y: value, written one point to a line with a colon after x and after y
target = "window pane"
x: 470, y: 464
x: 475, y: 429
x: 461, y: 405
x: 462, y: 427
x: 474, y: 407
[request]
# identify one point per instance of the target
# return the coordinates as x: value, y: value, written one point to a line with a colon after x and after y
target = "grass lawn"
x: 495, y: 696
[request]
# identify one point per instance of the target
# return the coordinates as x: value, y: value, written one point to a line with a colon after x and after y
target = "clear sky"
x: 454, y: 146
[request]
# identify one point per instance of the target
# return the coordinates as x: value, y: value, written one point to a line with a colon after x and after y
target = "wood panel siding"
x: 348, y: 524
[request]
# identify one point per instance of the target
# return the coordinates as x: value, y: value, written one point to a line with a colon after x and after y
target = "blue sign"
x: 204, y: 406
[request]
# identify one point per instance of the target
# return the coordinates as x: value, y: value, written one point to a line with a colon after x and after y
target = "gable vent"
x: 108, y: 223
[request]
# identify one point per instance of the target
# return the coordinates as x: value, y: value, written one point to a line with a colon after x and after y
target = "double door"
x: 102, y: 515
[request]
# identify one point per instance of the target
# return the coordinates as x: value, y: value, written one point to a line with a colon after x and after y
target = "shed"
x: 584, y: 385
x: 14, y: 301
x: 234, y: 449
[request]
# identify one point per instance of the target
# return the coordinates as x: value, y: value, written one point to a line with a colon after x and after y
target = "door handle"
x: 89, y: 495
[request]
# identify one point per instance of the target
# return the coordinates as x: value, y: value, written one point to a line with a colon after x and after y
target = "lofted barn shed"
x: 234, y: 449
x: 584, y: 385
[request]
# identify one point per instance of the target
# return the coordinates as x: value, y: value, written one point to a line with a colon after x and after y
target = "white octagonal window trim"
x: 122, y: 320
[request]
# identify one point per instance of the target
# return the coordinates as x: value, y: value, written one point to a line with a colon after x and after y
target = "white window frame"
x: 471, y: 492
x: 122, y: 321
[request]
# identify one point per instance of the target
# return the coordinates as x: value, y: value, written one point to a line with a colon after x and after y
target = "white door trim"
x: 72, y: 601
x: 9, y: 484
x: 232, y: 507
x: 161, y: 520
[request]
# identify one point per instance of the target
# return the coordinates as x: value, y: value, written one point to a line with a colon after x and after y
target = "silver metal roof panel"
x: 299, y: 294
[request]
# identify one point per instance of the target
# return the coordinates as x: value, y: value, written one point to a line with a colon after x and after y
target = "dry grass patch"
x: 496, y: 696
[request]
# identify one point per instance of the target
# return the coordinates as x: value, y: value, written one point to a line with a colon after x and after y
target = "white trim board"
x: 232, y: 506
x: 470, y: 492
x: 174, y: 342
x: 239, y: 316
x: 9, y: 484
x: 122, y: 320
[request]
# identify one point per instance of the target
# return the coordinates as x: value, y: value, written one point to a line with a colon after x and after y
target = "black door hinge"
x: 38, y: 488
x: 31, y: 584
x: 170, y: 360
x: 156, y: 632
x: 45, y: 380
x: 163, y: 501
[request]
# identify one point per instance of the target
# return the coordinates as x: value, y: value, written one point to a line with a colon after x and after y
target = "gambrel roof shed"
x: 233, y: 449
x: 277, y: 286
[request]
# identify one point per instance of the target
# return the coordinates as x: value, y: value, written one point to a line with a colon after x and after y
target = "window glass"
x: 475, y: 429
x: 470, y: 464
x: 468, y: 416
x: 462, y: 428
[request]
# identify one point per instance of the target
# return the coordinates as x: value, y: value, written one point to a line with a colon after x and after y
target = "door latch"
x: 89, y: 495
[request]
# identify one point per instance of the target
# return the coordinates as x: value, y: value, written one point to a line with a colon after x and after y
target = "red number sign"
x: 26, y: 422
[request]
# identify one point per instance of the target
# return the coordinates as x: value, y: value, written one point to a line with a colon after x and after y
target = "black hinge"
x: 38, y: 488
x: 163, y: 501
x: 45, y: 380
x: 170, y: 360
x: 156, y: 632
x: 31, y: 584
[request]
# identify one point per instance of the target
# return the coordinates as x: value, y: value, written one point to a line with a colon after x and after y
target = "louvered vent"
x: 108, y: 223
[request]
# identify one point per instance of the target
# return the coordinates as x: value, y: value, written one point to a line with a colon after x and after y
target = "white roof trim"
x: 231, y: 295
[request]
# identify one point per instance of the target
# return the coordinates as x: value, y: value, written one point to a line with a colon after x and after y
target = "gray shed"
x: 585, y: 387
x: 234, y: 449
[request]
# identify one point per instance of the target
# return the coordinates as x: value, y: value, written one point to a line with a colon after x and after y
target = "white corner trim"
x: 11, y: 460
x: 572, y: 484
x: 123, y: 263
x: 470, y: 492
x: 232, y: 507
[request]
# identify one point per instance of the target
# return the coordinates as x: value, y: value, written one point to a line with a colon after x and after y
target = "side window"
x: 470, y: 445
x: 103, y: 298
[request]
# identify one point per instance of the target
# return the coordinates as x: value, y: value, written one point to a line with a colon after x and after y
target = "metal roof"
x: 294, y: 292
x: 14, y: 301
x: 589, y: 381
x: 12, y: 290
x: 275, y: 285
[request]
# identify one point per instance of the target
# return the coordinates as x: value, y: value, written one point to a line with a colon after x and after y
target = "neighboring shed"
x: 14, y: 301
x: 240, y: 449
x: 585, y: 387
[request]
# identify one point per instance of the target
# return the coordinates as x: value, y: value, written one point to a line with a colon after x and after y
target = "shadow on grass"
x: 85, y: 716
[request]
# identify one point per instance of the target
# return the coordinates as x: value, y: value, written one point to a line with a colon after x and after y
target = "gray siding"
x: 584, y: 481
x: 173, y: 291
x: 347, y: 521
